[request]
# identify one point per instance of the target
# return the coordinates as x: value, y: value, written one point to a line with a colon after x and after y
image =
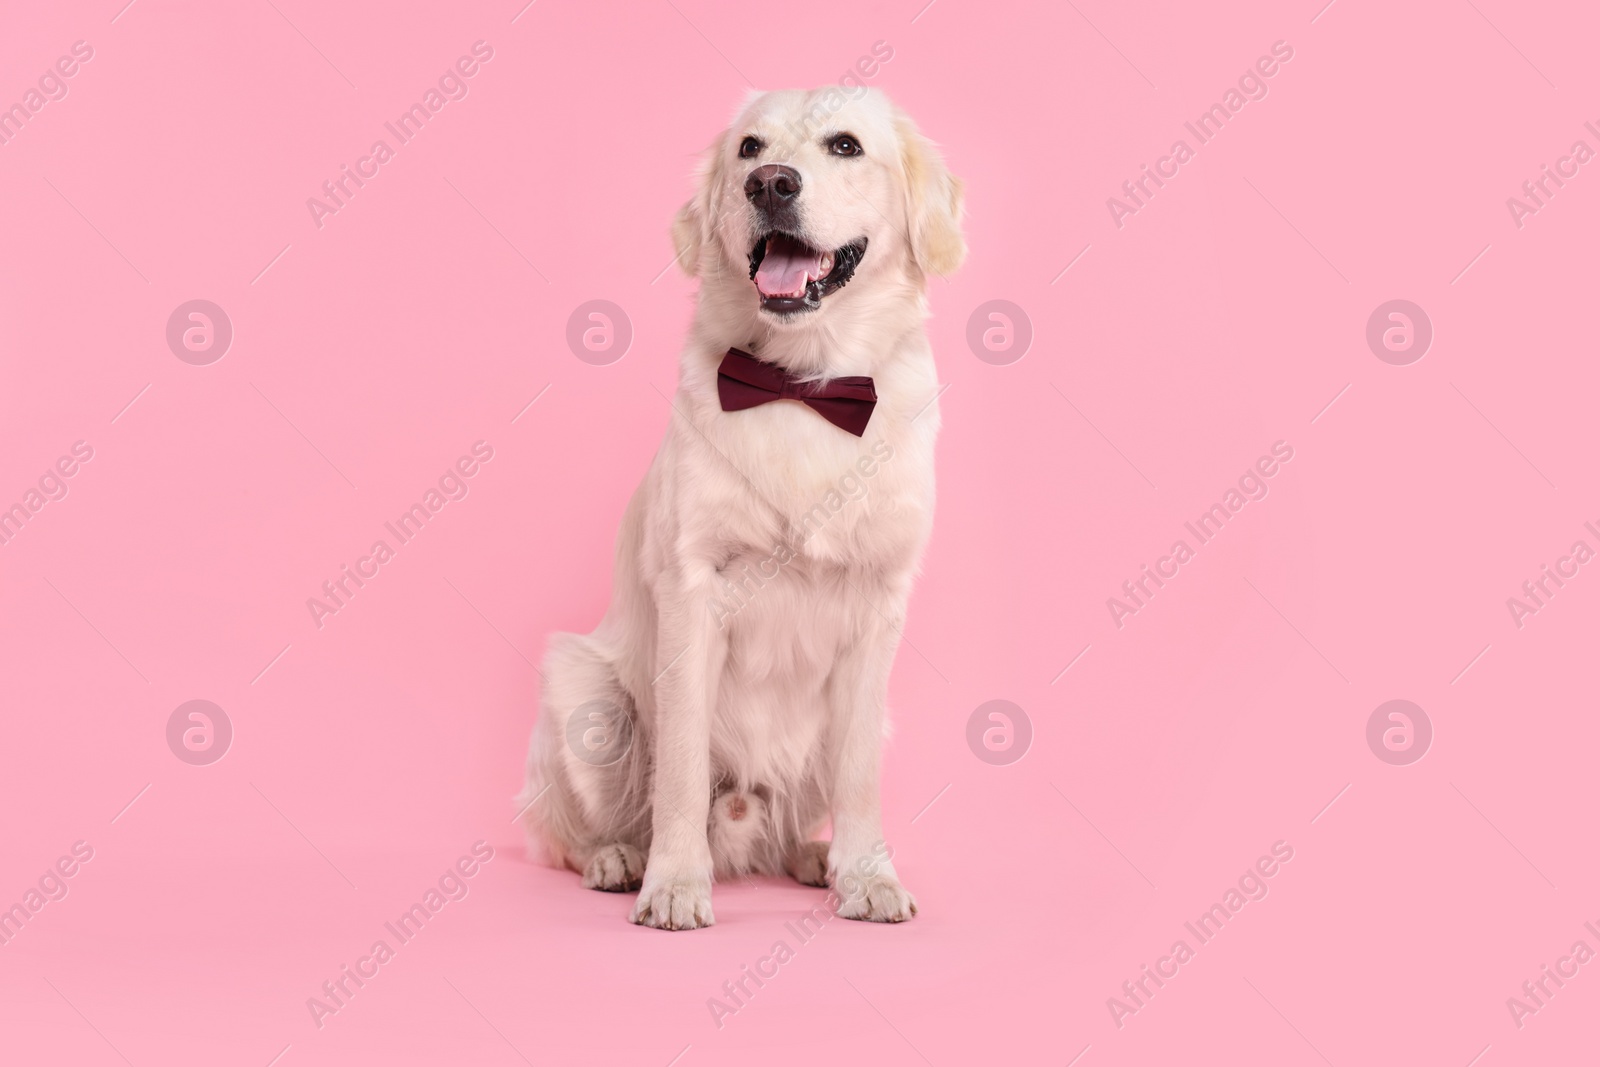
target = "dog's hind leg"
x: 807, y: 863
x: 586, y: 796
x: 614, y: 869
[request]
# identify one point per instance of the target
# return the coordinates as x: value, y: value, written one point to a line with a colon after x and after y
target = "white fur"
x: 779, y: 703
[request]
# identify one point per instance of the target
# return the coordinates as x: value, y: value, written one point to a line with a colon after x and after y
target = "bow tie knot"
x: 743, y: 382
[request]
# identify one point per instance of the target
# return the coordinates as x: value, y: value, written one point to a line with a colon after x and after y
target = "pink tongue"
x: 784, y: 270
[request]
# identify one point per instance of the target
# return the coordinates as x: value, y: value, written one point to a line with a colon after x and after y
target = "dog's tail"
x: 741, y: 839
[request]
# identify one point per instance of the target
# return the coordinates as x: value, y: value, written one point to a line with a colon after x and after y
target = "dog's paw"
x: 878, y: 899
x: 673, y: 905
x: 808, y: 863
x: 614, y: 869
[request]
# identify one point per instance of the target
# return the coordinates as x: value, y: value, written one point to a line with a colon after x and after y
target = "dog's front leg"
x: 690, y: 652
x: 859, y: 868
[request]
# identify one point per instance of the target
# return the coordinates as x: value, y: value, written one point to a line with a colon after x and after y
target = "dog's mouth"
x: 793, y: 277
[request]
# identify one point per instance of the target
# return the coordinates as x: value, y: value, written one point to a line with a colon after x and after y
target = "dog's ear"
x: 692, y: 225
x: 933, y: 202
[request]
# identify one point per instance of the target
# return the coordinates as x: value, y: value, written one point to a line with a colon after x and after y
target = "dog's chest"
x: 812, y: 491
x: 784, y: 620
x: 785, y: 627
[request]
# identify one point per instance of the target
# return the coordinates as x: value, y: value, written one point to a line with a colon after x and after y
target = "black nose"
x: 772, y: 184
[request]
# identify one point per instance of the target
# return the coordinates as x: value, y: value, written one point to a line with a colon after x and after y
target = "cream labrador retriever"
x: 732, y: 700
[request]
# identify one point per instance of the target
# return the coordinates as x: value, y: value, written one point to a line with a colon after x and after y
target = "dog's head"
x: 808, y: 192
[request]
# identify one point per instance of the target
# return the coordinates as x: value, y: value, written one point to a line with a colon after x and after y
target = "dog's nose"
x: 773, y: 184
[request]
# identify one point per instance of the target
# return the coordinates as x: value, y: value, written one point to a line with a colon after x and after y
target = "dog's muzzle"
x: 774, y: 190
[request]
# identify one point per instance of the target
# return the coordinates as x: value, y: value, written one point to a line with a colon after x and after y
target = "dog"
x: 732, y: 700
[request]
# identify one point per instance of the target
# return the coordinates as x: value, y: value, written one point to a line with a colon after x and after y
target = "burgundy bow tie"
x: 743, y: 381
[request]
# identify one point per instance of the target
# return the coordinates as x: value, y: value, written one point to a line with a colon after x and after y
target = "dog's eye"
x: 844, y: 145
x: 749, y: 148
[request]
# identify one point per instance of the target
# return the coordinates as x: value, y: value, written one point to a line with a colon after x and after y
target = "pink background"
x: 1226, y: 315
